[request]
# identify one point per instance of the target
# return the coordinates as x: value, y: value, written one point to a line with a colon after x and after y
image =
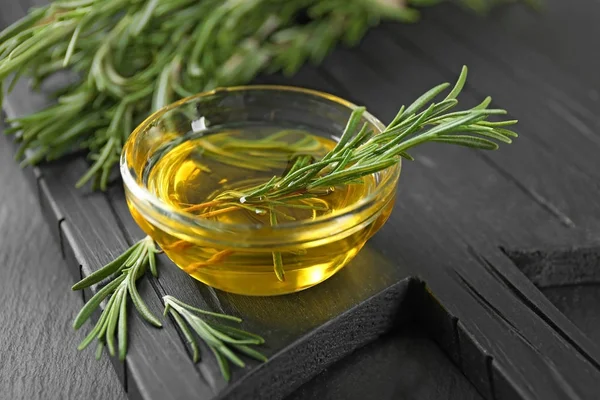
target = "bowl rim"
x: 140, y: 193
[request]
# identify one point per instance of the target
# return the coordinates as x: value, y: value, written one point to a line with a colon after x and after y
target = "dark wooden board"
x: 456, y: 208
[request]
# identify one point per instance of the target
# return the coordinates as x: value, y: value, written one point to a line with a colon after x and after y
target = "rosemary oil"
x: 205, y: 177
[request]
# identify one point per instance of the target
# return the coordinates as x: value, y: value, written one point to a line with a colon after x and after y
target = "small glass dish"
x: 235, y: 257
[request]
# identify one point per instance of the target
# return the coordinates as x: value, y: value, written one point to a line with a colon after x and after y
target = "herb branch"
x: 110, y: 330
x: 134, y: 57
x: 221, y: 339
x: 361, y: 152
x: 122, y: 274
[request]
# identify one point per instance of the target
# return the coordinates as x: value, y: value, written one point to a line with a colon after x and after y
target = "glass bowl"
x: 239, y: 258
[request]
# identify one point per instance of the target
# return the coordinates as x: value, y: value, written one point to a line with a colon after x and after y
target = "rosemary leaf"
x: 250, y: 352
x: 99, y: 349
x: 104, y: 272
x: 122, y: 333
x: 113, y: 318
x: 95, y: 301
x: 188, y: 335
x: 221, y: 339
x: 129, y: 266
x: 223, y: 364
x: 172, y: 300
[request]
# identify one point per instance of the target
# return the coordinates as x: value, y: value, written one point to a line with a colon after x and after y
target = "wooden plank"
x: 578, y: 303
x: 415, y: 368
x: 551, y: 95
x: 490, y: 330
x: 497, y: 262
x: 459, y: 181
x: 291, y: 317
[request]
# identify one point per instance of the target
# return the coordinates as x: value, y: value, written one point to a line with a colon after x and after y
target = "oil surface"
x: 190, y: 171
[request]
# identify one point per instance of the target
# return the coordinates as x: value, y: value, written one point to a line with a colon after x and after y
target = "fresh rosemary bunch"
x: 135, y: 56
x: 221, y: 339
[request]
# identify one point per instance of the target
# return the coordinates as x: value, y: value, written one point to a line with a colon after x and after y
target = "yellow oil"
x: 191, y: 171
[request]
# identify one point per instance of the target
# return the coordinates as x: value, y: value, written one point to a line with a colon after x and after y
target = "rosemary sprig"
x: 221, y: 339
x: 121, y: 274
x: 361, y: 152
x: 120, y: 278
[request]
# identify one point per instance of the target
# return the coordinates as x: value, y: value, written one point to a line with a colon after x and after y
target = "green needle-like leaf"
x: 122, y: 334
x: 460, y: 83
x: 277, y: 258
x: 223, y: 364
x: 113, y: 318
x: 139, y: 303
x: 250, y: 352
x: 99, y: 349
x: 111, y: 328
x: 152, y: 261
x: 188, y: 335
x: 106, y: 271
x: 221, y: 339
x: 95, y: 301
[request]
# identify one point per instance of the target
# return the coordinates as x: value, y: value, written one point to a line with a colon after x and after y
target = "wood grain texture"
x: 528, y: 61
x: 558, y: 31
x: 38, y: 355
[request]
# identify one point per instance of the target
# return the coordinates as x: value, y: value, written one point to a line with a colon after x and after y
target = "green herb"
x: 221, y: 339
x: 133, y: 57
x: 361, y: 152
x: 122, y: 274
x: 120, y: 278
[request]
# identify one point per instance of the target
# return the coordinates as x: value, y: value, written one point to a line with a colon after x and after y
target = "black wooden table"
x: 484, y: 283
